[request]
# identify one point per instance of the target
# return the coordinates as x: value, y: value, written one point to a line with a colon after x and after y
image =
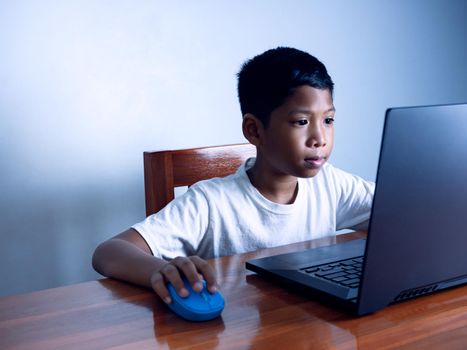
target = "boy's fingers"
x: 207, y: 271
x: 158, y: 285
x: 193, y: 268
x: 171, y: 274
x: 189, y: 269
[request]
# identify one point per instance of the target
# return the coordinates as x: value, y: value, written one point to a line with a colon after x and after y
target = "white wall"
x: 87, y: 86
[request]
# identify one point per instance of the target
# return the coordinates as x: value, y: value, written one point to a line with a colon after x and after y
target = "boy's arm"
x: 127, y: 257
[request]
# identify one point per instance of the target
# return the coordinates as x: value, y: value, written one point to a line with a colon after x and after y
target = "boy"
x: 288, y: 193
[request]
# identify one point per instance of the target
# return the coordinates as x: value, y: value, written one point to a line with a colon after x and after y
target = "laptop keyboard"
x: 346, y: 272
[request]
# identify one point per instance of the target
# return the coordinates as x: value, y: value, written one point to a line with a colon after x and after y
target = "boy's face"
x: 300, y: 135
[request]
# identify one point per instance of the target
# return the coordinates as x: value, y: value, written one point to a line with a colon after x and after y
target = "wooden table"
x: 258, y: 315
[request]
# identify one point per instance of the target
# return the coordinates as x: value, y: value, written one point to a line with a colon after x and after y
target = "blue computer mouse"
x: 202, y: 306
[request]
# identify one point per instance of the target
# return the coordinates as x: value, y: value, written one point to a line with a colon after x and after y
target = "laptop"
x: 417, y: 235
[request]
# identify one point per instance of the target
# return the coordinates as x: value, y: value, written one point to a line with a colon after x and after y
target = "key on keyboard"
x: 345, y: 272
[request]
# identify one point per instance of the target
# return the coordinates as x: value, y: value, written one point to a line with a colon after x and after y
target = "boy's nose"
x: 317, y: 137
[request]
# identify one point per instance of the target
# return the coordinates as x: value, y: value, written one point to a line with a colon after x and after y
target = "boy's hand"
x: 193, y: 268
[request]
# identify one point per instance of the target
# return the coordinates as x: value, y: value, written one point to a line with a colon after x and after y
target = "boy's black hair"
x: 266, y: 80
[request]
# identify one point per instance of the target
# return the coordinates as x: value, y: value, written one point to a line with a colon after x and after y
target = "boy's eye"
x: 301, y: 122
x: 329, y: 120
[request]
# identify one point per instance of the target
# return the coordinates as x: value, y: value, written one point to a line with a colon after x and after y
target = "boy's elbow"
x: 99, y: 261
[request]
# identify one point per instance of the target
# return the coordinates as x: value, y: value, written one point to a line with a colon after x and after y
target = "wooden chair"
x: 165, y: 170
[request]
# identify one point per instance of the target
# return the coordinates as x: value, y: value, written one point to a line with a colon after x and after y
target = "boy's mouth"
x: 315, y: 162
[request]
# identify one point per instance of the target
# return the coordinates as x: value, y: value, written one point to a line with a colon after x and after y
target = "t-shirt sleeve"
x: 178, y: 228
x: 354, y: 200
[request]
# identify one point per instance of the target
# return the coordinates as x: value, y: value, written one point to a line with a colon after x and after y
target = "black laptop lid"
x: 418, y: 230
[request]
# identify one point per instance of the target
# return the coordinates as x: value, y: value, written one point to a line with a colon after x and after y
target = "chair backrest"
x: 165, y: 170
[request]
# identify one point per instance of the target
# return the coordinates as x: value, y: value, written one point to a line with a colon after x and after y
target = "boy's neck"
x: 281, y: 189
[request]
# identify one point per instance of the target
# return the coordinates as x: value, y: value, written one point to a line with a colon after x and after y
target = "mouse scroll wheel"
x: 205, y: 297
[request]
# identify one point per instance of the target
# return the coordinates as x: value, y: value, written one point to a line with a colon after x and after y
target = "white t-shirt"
x: 226, y: 216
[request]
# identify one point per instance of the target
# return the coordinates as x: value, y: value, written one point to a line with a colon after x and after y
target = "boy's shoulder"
x: 232, y: 182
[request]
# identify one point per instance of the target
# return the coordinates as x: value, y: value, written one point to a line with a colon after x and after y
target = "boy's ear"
x: 252, y: 129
